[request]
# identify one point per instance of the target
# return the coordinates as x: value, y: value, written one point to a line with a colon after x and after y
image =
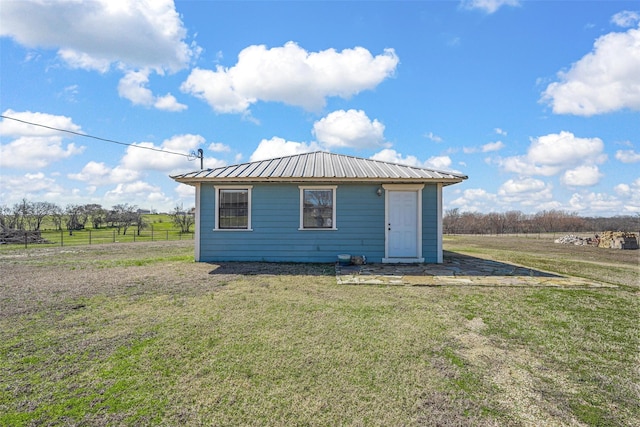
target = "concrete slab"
x: 457, y: 270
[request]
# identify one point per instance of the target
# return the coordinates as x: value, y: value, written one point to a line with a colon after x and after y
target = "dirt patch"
x: 520, y: 393
x: 59, y: 276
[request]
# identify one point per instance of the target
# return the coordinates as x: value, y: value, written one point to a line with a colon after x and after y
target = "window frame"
x: 334, y: 191
x: 218, y: 188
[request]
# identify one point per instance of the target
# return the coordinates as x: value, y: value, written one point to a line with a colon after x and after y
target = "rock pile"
x: 570, y: 239
x: 606, y: 239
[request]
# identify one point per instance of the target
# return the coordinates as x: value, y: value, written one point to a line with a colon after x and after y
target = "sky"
x: 537, y: 102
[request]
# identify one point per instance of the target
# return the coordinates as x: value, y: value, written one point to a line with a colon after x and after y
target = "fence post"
x: 167, y: 234
x: 89, y: 236
x: 25, y: 240
x: 114, y: 236
x: 61, y: 238
x: 152, y: 233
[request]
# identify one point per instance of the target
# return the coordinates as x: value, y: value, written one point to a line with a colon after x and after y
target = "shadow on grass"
x: 271, y: 268
x: 454, y: 265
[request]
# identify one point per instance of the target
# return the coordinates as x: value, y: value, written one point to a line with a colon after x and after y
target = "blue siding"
x: 275, y: 219
x: 430, y: 223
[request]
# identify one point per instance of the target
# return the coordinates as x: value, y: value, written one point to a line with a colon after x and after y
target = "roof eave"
x: 234, y: 180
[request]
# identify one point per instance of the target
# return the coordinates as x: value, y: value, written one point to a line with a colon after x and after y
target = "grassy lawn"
x: 158, y: 227
x: 138, y: 334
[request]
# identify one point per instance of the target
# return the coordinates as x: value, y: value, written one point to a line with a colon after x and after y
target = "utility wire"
x: 189, y: 156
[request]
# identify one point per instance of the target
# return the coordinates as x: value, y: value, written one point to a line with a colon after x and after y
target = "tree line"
x: 30, y: 216
x: 547, y: 221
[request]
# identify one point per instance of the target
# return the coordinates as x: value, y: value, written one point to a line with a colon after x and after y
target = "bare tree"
x: 20, y: 213
x: 96, y: 213
x: 123, y: 216
x: 182, y: 219
x: 6, y: 218
x: 40, y: 210
x: 451, y: 220
x: 57, y: 216
x: 76, y: 217
x: 140, y: 222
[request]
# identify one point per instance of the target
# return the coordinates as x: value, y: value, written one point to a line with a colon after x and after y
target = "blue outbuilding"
x: 312, y: 207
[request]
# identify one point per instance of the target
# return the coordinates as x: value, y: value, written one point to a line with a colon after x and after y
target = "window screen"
x: 233, y: 208
x: 317, y: 208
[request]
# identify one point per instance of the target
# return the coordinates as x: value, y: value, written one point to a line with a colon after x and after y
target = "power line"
x: 189, y: 156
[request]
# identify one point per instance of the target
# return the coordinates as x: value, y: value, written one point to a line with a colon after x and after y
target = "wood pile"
x: 618, y: 240
x: 20, y: 236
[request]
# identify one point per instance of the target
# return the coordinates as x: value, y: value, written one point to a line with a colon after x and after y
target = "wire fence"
x: 92, y: 237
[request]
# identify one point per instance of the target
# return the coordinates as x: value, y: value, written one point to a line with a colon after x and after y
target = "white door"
x: 402, y: 224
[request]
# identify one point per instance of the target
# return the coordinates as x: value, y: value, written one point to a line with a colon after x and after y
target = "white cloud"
x: 94, y: 34
x: 626, y: 18
x: 70, y: 93
x: 526, y: 192
x: 138, y: 193
x: 432, y: 137
x: 475, y: 200
x: 520, y: 186
x: 488, y: 6
x: 133, y: 87
x: 278, y: 147
x: 492, y: 146
x: 218, y: 90
x: 553, y: 153
x: 595, y: 202
x: 291, y: 75
x: 628, y: 156
x: 185, y: 191
x: 582, y: 176
x: 349, y: 129
x: 524, y: 166
x: 622, y: 190
x: 438, y: 162
x: 500, y: 131
x: 35, y: 147
x: 84, y: 61
x: 98, y: 173
x: 210, y: 163
x: 486, y: 148
x: 219, y: 147
x: 138, y: 159
x: 168, y: 102
x: 565, y: 149
x: 32, y: 186
x: 14, y: 128
x: 604, y: 80
x: 392, y: 156
x: 629, y: 195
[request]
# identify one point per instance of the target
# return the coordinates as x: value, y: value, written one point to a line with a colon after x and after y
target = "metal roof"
x: 319, y: 166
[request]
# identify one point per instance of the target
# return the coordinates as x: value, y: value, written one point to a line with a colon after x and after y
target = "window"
x: 317, y: 208
x: 233, y: 208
